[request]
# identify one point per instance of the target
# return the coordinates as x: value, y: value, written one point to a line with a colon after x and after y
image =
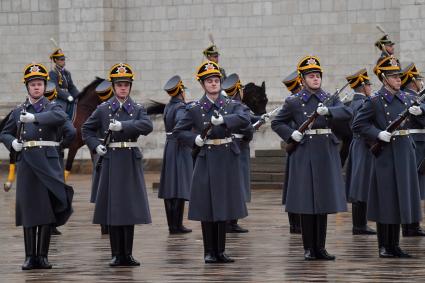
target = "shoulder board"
x: 102, y: 104
x: 192, y: 104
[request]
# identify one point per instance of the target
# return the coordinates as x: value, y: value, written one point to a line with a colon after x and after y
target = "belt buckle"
x: 216, y: 141
x: 404, y: 132
x: 32, y: 143
x: 123, y: 144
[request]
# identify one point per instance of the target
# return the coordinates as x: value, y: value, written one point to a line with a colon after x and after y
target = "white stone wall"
x: 260, y: 40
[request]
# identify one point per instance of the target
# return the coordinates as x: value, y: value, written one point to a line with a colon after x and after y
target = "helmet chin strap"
x: 388, y: 83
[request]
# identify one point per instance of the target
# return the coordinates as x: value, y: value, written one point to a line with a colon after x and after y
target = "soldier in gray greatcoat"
x: 121, y: 200
x: 177, y: 164
x: 358, y: 169
x: 315, y: 185
x: 42, y: 198
x: 394, y: 194
x: 234, y: 90
x: 411, y: 83
x: 61, y: 77
x: 216, y: 188
x: 293, y: 84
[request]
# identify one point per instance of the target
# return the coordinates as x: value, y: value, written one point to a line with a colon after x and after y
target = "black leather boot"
x: 208, y: 237
x: 30, y: 241
x: 104, y: 229
x: 359, y: 216
x: 171, y: 212
x: 55, y: 231
x: 308, y: 230
x: 384, y: 241
x: 180, y: 214
x: 115, y: 241
x: 322, y: 224
x: 413, y: 230
x: 395, y: 234
x: 129, y: 260
x: 232, y: 226
x: 43, y: 243
x: 294, y: 223
x: 221, y: 243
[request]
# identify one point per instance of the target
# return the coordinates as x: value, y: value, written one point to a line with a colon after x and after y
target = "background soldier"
x: 121, y: 200
x: 386, y: 45
x: 234, y: 90
x: 411, y: 83
x: 358, y: 169
x: 216, y: 188
x: 42, y: 198
x: 177, y: 165
x: 315, y: 180
x: 394, y: 196
x: 67, y: 91
x: 293, y: 84
x: 211, y: 54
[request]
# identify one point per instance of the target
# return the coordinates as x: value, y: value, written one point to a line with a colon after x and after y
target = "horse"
x: 255, y: 98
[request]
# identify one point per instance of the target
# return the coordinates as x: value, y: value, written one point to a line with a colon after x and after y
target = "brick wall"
x: 260, y: 40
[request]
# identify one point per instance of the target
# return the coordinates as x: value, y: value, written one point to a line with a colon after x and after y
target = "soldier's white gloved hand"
x: 384, y: 136
x: 199, y: 141
x: 297, y: 136
x: 265, y: 117
x: 27, y: 118
x: 115, y: 126
x: 415, y: 110
x: 17, y: 146
x: 101, y: 149
x: 70, y: 98
x: 217, y: 121
x: 322, y: 110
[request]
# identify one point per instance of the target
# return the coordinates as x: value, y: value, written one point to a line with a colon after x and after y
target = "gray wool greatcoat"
x: 315, y: 184
x: 394, y: 195
x: 42, y: 197
x: 119, y: 183
x: 177, y: 164
x: 216, y: 188
x: 359, y: 163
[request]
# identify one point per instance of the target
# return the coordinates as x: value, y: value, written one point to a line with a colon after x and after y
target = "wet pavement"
x: 268, y: 253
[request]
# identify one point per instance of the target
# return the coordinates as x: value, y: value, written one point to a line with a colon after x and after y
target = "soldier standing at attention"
x: 293, y: 84
x: 121, y: 200
x: 394, y: 194
x: 67, y: 91
x: 216, y: 188
x: 315, y: 184
x: 177, y: 165
x: 42, y: 198
x: 411, y: 83
x: 358, y: 170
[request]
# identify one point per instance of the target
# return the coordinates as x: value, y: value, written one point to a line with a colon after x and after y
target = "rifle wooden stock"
x: 204, y: 133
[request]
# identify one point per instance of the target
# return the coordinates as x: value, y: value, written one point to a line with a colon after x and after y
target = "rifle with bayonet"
x: 378, y: 146
x: 292, y: 145
x: 105, y: 143
x: 204, y: 135
x: 262, y: 121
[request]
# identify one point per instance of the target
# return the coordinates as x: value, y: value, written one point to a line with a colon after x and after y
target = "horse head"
x: 255, y: 98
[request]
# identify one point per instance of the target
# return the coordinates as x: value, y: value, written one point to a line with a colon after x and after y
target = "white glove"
x: 115, y: 126
x: 265, y: 117
x: 17, y: 146
x: 322, y: 110
x: 384, y: 136
x: 296, y: 136
x: 101, y: 149
x: 27, y: 118
x: 415, y: 110
x: 217, y: 121
x: 199, y: 141
x: 70, y: 98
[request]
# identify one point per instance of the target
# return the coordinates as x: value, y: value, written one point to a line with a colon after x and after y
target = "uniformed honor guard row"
x: 383, y: 134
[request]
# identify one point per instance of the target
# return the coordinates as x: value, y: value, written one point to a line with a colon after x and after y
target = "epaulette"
x: 102, y: 104
x: 192, y: 104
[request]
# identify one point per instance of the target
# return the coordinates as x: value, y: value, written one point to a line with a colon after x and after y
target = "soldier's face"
x: 60, y: 62
x: 36, y: 88
x: 212, y: 85
x: 367, y: 90
x: 390, y: 49
x: 122, y: 90
x: 313, y: 80
x: 213, y: 58
x: 394, y: 81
